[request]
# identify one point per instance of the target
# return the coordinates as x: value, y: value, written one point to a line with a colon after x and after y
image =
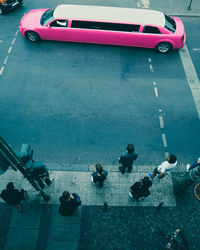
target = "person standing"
x: 99, y: 175
x: 127, y: 159
x: 165, y: 167
x: 13, y: 196
x: 69, y: 203
x: 140, y: 188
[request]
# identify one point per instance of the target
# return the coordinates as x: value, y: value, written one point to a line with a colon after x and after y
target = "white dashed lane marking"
x: 9, y: 50
x: 1, y: 70
x: 164, y: 140
x: 6, y: 59
x: 156, y: 91
x: 161, y: 121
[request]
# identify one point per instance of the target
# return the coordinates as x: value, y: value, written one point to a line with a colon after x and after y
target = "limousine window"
x: 151, y: 29
x: 105, y: 26
x: 47, y: 17
x: 170, y: 24
x: 59, y: 23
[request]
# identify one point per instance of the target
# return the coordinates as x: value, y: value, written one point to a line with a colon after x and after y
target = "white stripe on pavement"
x: 191, y: 75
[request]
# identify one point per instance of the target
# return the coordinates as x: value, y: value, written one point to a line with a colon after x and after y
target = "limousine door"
x: 56, y: 30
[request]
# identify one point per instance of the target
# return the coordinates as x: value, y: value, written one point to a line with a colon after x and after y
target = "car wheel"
x: 32, y: 36
x: 164, y: 47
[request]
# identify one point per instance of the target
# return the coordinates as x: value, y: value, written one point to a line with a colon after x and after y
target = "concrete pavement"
x: 40, y: 226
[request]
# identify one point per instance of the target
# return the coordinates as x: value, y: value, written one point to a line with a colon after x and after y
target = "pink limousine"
x: 105, y: 25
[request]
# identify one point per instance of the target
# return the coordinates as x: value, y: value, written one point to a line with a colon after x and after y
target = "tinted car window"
x: 59, y: 23
x: 105, y: 26
x: 151, y: 29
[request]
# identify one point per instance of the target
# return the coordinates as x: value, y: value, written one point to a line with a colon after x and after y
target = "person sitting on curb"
x: 164, y: 167
x: 99, y: 175
x: 127, y: 159
x: 13, y: 196
x: 140, y: 189
x: 69, y: 203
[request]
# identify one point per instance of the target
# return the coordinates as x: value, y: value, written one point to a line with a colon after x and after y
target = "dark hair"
x: 99, y: 168
x: 130, y: 148
x: 66, y: 195
x: 10, y: 186
x: 171, y: 158
x: 146, y: 182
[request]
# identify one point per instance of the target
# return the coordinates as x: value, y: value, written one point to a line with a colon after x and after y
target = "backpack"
x: 77, y: 198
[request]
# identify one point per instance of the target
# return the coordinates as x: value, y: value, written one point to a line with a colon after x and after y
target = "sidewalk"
x: 40, y: 226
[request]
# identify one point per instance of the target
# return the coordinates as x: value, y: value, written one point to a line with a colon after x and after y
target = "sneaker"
x: 187, y: 167
x: 92, y: 181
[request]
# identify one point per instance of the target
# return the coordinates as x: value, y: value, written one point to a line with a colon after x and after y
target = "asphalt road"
x: 84, y: 103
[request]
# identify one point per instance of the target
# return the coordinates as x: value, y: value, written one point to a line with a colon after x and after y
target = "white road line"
x: 16, y: 32
x: 1, y: 70
x: 166, y: 154
x: 154, y: 83
x: 196, y: 49
x: 1, y: 41
x: 10, y: 49
x: 13, y: 41
x: 164, y: 140
x: 6, y: 59
x: 151, y: 68
x: 156, y: 92
x: 161, y: 121
x: 191, y: 75
x: 149, y: 59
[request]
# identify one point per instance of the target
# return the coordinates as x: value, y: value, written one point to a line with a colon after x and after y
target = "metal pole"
x: 16, y: 163
x: 189, y: 7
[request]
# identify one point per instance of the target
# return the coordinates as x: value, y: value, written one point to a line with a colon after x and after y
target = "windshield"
x: 170, y: 24
x: 46, y: 17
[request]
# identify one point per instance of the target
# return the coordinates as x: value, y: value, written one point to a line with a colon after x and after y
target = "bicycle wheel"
x: 197, y: 191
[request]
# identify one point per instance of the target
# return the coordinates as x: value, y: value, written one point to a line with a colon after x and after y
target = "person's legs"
x: 130, y: 168
x: 154, y: 173
x: 122, y: 169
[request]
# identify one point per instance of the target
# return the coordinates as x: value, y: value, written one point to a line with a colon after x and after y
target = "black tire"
x: 32, y: 36
x: 164, y: 47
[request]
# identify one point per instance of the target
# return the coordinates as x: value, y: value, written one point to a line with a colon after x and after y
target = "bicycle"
x: 197, y: 191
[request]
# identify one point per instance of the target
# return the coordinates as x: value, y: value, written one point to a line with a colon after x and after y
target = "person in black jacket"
x: 13, y: 196
x: 69, y: 203
x: 127, y: 159
x: 99, y: 175
x: 140, y: 188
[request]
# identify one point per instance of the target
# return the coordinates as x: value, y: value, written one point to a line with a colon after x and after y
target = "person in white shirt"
x: 164, y: 167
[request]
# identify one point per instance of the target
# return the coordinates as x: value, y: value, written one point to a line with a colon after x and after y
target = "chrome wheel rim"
x: 32, y: 37
x: 163, y: 47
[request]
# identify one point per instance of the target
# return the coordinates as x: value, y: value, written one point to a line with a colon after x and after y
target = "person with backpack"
x: 69, y: 203
x: 127, y: 159
x: 99, y: 175
x: 140, y: 189
x: 13, y: 196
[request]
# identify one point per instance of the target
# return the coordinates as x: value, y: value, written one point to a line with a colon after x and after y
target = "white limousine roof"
x: 111, y: 14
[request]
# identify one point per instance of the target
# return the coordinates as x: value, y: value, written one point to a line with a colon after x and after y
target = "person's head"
x: 130, y: 148
x: 146, y: 182
x: 66, y: 195
x: 99, y: 168
x: 171, y: 158
x: 10, y: 186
